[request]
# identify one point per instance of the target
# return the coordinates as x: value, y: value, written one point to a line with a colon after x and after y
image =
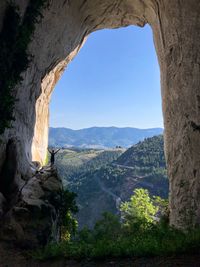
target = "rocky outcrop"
x: 34, y: 217
x: 57, y: 39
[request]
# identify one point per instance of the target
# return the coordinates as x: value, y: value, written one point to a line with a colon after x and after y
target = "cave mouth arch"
x: 90, y: 16
x: 57, y: 39
x: 67, y: 85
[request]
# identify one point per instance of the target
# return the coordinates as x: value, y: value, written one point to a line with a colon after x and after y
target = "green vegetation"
x: 15, y: 37
x: 136, y: 227
x: 79, y: 169
x: 100, y: 184
x: 73, y: 163
x: 139, y: 210
x: 146, y: 156
x: 67, y: 210
x: 112, y: 238
x: 67, y: 207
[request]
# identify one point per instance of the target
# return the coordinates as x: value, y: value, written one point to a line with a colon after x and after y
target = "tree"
x: 67, y: 208
x: 140, y: 211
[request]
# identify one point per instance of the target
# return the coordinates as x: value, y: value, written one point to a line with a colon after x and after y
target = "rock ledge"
x: 34, y: 218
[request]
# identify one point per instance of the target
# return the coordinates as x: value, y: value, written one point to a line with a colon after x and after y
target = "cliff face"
x: 57, y: 39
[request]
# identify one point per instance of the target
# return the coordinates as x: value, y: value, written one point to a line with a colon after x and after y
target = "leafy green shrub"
x: 67, y: 208
x: 140, y: 211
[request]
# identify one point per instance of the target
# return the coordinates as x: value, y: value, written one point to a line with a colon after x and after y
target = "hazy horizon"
x: 121, y: 127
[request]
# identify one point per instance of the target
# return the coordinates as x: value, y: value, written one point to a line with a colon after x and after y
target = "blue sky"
x: 113, y: 81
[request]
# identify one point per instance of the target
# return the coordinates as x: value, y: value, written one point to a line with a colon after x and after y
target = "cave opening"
x: 113, y: 81
x: 57, y: 39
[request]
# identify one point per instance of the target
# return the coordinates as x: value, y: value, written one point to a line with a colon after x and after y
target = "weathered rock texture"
x: 34, y: 217
x: 57, y: 39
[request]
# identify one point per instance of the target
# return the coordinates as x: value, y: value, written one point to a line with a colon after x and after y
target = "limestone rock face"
x: 33, y: 219
x: 58, y: 38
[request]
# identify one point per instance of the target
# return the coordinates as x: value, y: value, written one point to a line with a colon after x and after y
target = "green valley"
x: 103, y: 179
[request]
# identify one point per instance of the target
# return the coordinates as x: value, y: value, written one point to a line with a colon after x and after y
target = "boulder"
x: 34, y: 219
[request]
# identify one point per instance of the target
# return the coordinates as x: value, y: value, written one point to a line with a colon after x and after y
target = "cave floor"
x: 15, y: 258
x: 183, y: 261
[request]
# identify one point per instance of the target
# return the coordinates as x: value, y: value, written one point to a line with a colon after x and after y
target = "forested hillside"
x: 74, y: 163
x: 103, y: 179
x: 147, y: 154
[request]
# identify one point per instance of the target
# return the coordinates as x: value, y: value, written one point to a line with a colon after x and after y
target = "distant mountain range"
x: 99, y: 137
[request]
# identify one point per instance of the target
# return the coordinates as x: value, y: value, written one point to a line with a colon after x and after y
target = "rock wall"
x: 179, y: 57
x: 57, y: 39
